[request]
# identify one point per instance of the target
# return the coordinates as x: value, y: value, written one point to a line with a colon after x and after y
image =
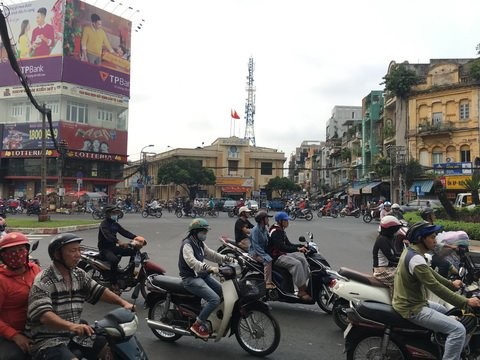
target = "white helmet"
x: 389, y: 221
x: 387, y: 203
x: 395, y: 206
x: 244, y: 209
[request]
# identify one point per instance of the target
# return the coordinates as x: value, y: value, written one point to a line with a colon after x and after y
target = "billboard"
x: 69, y: 41
x: 26, y: 136
x: 92, y: 139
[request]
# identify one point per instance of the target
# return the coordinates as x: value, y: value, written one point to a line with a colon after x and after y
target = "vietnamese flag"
x: 234, y: 115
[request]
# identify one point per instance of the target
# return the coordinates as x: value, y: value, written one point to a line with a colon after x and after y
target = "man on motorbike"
x: 16, y: 278
x: 112, y: 249
x: 414, y: 277
x: 288, y: 255
x: 385, y: 258
x: 195, y: 273
x: 242, y: 229
x: 387, y: 206
x: 56, y: 302
x: 259, y: 246
x: 396, y: 211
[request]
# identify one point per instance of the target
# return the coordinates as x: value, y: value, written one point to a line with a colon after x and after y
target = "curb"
x: 53, y: 231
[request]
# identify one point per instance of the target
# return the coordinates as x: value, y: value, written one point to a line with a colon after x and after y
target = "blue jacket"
x: 259, y: 243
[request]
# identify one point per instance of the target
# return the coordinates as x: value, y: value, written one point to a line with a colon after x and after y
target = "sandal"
x: 303, y: 295
x: 270, y: 285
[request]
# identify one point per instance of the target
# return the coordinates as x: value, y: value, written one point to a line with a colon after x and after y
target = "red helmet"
x: 14, y: 239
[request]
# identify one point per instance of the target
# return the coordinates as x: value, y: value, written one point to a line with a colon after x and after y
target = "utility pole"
x: 250, y: 105
x: 43, y: 216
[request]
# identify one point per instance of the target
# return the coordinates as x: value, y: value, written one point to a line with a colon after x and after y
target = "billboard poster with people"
x: 27, y: 136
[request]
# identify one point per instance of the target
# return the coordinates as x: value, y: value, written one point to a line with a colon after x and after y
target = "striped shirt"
x: 49, y: 293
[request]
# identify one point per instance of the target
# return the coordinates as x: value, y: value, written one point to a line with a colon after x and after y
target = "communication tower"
x: 250, y: 105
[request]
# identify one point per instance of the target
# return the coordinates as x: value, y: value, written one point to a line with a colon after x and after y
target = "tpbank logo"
x: 113, y: 79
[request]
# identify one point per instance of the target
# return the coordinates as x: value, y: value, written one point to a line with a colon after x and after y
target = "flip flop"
x: 270, y: 286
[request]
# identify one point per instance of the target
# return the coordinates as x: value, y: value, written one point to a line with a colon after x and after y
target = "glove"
x: 228, y: 259
x: 213, y: 270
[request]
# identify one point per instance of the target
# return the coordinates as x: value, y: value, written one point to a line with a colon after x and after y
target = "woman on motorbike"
x: 195, y: 273
x: 259, y: 244
x: 385, y: 258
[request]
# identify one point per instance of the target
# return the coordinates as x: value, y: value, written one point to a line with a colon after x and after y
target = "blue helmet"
x: 282, y: 215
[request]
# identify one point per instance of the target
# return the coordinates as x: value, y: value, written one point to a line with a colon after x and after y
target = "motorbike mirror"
x: 461, y: 272
x: 136, y: 291
x: 302, y: 239
x: 310, y: 235
x: 34, y: 245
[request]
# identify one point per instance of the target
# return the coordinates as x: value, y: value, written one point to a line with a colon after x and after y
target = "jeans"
x: 72, y: 351
x: 208, y: 289
x: 10, y: 351
x: 433, y: 317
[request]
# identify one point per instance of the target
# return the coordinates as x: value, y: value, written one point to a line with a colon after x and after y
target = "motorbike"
x: 322, y: 211
x: 377, y: 331
x: 173, y: 310
x: 180, y: 211
x: 34, y: 210
x: 320, y: 275
x: 135, y: 272
x: 373, y: 214
x: 149, y: 211
x: 233, y: 212
x: 347, y: 212
x: 301, y: 214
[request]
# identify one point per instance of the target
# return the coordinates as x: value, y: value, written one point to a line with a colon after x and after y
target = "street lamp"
x: 144, y: 173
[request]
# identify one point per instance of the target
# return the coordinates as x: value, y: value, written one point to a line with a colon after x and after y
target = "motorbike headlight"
x: 130, y: 328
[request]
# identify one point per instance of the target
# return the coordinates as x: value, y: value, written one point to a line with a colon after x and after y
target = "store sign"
x: 27, y: 153
x: 453, y: 168
x: 96, y: 156
x: 456, y: 182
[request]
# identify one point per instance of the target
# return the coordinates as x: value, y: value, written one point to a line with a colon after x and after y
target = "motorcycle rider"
x: 56, y: 302
x: 396, y: 211
x: 385, y: 258
x: 195, y: 273
x: 413, y: 277
x: 289, y: 256
x: 259, y: 246
x: 242, y: 229
x: 16, y: 278
x: 387, y: 206
x: 3, y: 226
x: 112, y: 249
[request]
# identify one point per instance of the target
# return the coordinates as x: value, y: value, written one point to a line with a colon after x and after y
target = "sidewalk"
x: 57, y: 230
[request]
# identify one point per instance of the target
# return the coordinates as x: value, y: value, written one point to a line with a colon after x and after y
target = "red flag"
x: 233, y: 114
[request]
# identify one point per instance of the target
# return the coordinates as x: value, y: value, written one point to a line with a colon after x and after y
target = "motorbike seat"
x: 361, y: 277
x: 170, y: 283
x: 384, y: 314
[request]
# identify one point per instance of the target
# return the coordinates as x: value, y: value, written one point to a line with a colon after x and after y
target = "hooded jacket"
x: 14, y: 289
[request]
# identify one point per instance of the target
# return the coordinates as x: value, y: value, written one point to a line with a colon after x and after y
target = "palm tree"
x: 472, y: 185
x: 442, y: 196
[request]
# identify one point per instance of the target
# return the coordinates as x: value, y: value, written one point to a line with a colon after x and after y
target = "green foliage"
x: 187, y: 173
x: 346, y: 154
x: 282, y: 185
x: 382, y: 167
x: 475, y: 69
x: 413, y: 171
x: 472, y: 185
x: 400, y: 80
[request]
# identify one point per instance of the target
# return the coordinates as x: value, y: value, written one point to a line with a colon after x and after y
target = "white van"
x: 463, y: 199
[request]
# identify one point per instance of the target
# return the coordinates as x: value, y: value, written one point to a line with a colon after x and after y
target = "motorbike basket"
x: 252, y: 288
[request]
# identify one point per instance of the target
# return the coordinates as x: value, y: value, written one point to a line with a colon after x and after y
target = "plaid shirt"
x: 49, y: 293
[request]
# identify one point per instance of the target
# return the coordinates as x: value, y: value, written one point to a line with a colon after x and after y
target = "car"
x: 229, y: 205
x: 419, y: 204
x: 252, y: 205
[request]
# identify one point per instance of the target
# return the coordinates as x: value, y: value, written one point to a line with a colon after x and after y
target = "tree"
x: 400, y: 80
x: 282, y: 185
x: 382, y: 167
x: 472, y: 185
x: 413, y: 171
x: 475, y: 69
x: 187, y: 173
x: 442, y: 196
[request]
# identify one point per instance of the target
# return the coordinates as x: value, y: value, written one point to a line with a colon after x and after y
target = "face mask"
x: 202, y: 236
x: 114, y: 217
x: 15, y: 260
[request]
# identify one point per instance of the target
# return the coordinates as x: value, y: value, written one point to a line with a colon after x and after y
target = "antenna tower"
x: 250, y: 105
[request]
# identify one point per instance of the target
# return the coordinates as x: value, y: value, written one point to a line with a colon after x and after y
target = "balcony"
x: 438, y: 129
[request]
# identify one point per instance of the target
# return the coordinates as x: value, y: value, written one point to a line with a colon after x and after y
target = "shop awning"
x: 425, y: 186
x: 338, y: 194
x: 367, y: 189
x: 355, y: 190
x: 231, y: 189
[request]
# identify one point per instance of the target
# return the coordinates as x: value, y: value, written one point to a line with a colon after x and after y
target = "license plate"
x: 347, y: 330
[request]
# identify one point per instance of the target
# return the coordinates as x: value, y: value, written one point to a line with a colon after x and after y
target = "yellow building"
x: 241, y: 170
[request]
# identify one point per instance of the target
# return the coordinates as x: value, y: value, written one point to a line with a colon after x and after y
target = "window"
x: 437, y: 156
x: 104, y: 115
x: 77, y: 113
x: 232, y: 167
x: 465, y: 153
x: 437, y: 118
x: 266, y: 168
x: 16, y: 110
x: 464, y: 110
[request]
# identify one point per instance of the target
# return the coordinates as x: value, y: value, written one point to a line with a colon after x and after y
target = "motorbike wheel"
x: 339, y: 314
x: 158, y: 214
x: 319, y: 213
x: 357, y: 214
x: 155, y: 313
x: 96, y: 215
x: 231, y: 213
x: 179, y: 214
x: 334, y: 214
x: 325, y: 299
x: 121, y: 214
x: 293, y: 216
x: 145, y: 213
x: 367, y: 218
x: 342, y: 214
x: 368, y: 346
x: 258, y: 333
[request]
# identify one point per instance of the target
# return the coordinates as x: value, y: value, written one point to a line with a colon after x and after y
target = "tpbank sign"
x: 456, y: 182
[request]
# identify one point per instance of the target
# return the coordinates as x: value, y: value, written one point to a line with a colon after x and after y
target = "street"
x: 306, y: 331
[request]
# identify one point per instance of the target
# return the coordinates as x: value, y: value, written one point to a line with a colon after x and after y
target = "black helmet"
x: 261, y: 215
x: 60, y: 241
x: 426, y: 213
x: 110, y: 209
x: 420, y: 230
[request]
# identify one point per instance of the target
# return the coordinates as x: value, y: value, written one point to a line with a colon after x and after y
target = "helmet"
x: 261, y: 215
x: 282, y: 215
x: 426, y: 212
x: 60, y: 241
x: 111, y: 208
x: 244, y: 209
x: 387, y: 203
x: 395, y: 206
x: 241, y: 199
x: 14, y: 239
x: 198, y: 224
x: 389, y: 221
x: 420, y: 230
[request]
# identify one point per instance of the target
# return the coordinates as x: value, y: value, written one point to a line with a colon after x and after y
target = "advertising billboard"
x: 37, y: 30
x: 26, y: 136
x: 69, y: 41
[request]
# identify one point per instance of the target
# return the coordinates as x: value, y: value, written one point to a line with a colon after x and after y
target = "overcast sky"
x: 190, y: 62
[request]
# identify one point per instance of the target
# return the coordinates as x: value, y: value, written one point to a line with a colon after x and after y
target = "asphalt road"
x: 307, y: 332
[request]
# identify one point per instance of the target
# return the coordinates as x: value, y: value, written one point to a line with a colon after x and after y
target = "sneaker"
x: 200, y: 330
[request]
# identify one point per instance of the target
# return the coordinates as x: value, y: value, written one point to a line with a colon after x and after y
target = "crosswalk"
x: 34, y: 237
